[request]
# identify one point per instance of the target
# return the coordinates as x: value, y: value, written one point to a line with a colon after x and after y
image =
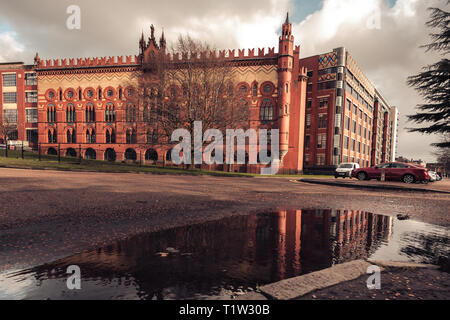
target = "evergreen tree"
x: 433, y: 84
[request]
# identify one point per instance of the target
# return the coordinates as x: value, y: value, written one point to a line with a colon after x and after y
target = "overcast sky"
x: 382, y: 35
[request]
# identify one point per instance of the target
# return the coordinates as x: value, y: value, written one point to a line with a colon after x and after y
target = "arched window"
x: 52, y: 136
x: 90, y: 154
x: 90, y: 136
x: 70, y: 113
x: 169, y: 155
x: 71, y: 136
x: 71, y: 153
x: 90, y: 113
x: 266, y: 110
x: 242, y: 90
x: 51, y: 113
x: 255, y: 90
x: 131, y: 136
x: 146, y: 116
x: 151, y: 155
x: 110, y: 113
x: 131, y: 113
x: 52, y: 152
x: 110, y: 136
x: 99, y: 94
x: 130, y: 154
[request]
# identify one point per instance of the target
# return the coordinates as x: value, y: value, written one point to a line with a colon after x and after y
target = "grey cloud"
x: 387, y: 56
x: 113, y: 27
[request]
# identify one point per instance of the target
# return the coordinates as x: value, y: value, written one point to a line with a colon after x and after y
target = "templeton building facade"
x: 326, y: 109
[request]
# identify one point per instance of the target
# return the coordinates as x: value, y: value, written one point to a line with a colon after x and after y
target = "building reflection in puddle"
x: 214, y: 259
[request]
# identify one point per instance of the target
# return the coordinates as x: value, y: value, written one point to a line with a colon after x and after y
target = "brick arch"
x: 48, y: 94
x: 263, y: 87
x: 240, y: 91
x: 67, y: 93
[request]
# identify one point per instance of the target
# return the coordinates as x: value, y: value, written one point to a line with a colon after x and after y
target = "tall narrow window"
x: 51, y: 114
x: 131, y: 136
x: 71, y: 136
x: 266, y: 110
x: 322, y: 121
x: 52, y: 136
x: 90, y: 136
x: 255, y: 90
x: 110, y: 113
x: 110, y: 136
x: 70, y: 113
x: 90, y: 113
x: 131, y: 113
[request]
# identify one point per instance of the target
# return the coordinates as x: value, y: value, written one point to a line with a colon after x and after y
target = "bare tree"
x: 8, y: 126
x: 191, y: 84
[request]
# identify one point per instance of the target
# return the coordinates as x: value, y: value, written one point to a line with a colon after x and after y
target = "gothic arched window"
x: 70, y: 113
x: 110, y: 113
x: 266, y: 110
x: 90, y: 113
x: 51, y: 113
x: 90, y: 136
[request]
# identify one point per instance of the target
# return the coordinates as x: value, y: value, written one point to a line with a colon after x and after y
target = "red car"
x: 398, y: 171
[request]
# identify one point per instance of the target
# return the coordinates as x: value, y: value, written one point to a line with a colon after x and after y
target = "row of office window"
x: 356, y: 146
x: 358, y: 97
x: 322, y: 121
x: 11, y: 97
x: 357, y: 128
x: 321, y: 141
x: 10, y: 79
x: 357, y: 111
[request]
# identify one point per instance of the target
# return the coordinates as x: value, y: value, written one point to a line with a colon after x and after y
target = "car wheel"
x: 362, y: 176
x: 408, y: 178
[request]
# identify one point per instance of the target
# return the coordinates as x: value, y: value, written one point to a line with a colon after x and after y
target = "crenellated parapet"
x: 231, y: 54
x: 88, y: 62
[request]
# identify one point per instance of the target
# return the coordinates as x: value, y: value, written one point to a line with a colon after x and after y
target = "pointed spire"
x: 287, y: 18
x: 162, y: 41
x: 37, y: 60
x: 152, y: 28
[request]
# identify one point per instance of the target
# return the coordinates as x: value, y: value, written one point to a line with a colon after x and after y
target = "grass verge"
x: 31, y: 161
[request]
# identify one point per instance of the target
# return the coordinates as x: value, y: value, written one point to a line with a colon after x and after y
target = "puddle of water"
x: 222, y: 259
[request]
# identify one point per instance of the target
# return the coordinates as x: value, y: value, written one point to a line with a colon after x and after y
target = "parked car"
x: 433, y: 176
x: 395, y: 171
x: 345, y: 170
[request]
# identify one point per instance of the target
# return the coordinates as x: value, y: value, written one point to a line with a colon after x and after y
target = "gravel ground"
x: 47, y: 215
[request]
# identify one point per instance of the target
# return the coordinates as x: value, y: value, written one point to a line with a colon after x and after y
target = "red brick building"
x: 324, y: 106
x: 18, y: 103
